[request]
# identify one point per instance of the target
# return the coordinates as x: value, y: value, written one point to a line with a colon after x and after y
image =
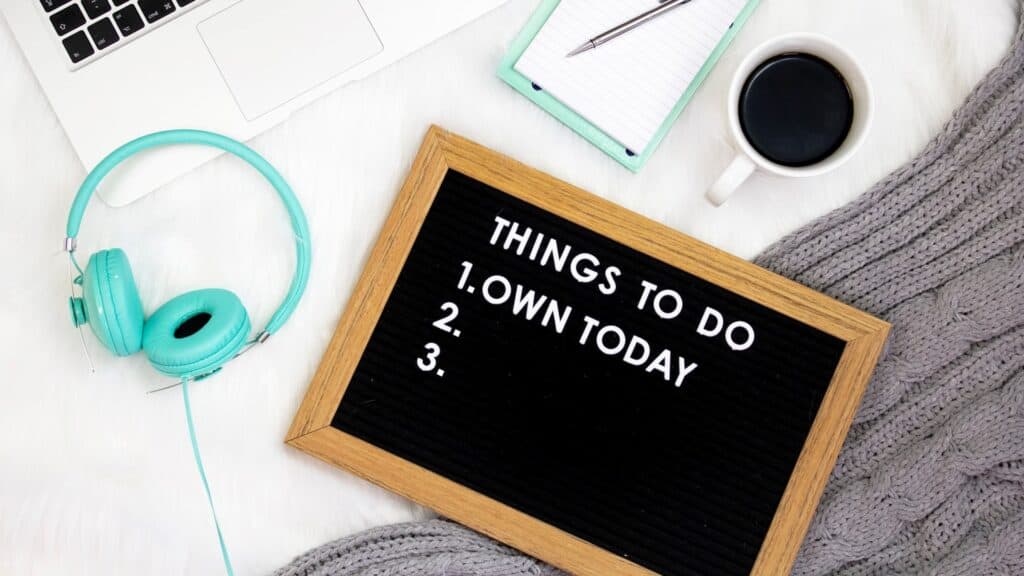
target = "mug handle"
x: 737, y: 173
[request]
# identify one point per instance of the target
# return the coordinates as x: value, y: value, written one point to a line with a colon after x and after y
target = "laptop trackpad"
x: 271, y: 51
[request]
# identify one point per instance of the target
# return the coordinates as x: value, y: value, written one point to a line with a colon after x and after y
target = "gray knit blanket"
x: 931, y: 478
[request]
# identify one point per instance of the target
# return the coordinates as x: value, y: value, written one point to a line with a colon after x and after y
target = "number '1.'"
x: 467, y: 267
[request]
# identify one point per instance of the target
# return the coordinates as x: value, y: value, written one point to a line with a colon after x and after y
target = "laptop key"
x: 128, y: 20
x: 97, y: 25
x: 51, y: 5
x: 103, y: 33
x: 67, y: 20
x: 95, y: 8
x: 154, y: 10
x: 78, y: 46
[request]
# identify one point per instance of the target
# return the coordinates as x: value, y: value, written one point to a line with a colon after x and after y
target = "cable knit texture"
x: 431, y: 548
x: 931, y: 478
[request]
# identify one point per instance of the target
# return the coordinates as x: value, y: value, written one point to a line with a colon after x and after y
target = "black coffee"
x: 796, y: 109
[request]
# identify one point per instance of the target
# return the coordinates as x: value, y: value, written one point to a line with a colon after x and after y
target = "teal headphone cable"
x: 202, y: 476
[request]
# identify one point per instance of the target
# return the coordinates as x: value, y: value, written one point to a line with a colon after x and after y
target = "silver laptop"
x: 116, y: 69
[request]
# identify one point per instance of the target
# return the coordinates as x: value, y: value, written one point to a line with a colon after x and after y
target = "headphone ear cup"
x: 196, y: 333
x: 111, y: 302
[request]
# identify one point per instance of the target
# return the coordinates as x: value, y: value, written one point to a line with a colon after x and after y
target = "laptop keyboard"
x: 88, y: 29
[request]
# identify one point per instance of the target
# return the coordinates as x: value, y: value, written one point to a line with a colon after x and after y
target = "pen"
x: 607, y: 35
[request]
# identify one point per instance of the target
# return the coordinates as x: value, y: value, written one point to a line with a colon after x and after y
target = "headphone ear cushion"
x: 111, y: 302
x: 196, y: 333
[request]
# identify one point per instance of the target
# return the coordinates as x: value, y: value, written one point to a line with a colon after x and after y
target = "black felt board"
x: 681, y: 480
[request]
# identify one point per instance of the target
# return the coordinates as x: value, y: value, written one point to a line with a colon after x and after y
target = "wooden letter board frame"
x: 311, y: 430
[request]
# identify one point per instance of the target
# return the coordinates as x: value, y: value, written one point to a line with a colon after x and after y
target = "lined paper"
x: 627, y: 87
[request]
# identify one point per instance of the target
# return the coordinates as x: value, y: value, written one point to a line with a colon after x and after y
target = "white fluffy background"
x: 96, y: 477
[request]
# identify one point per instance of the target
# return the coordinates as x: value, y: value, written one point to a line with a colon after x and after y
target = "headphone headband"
x: 203, y: 138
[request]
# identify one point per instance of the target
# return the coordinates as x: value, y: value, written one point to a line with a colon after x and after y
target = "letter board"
x: 582, y: 383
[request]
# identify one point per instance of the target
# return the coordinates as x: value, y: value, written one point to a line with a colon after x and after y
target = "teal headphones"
x: 193, y: 335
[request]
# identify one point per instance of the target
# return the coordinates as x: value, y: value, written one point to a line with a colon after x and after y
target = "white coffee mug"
x: 747, y: 158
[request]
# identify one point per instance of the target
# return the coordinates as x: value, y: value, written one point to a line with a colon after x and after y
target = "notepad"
x: 631, y: 88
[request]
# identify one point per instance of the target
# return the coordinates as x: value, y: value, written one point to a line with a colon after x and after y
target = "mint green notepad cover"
x: 581, y: 125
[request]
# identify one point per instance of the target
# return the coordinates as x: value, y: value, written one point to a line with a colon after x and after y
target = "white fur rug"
x: 96, y: 477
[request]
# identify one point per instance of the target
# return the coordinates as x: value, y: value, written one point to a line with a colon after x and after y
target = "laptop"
x: 117, y: 69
